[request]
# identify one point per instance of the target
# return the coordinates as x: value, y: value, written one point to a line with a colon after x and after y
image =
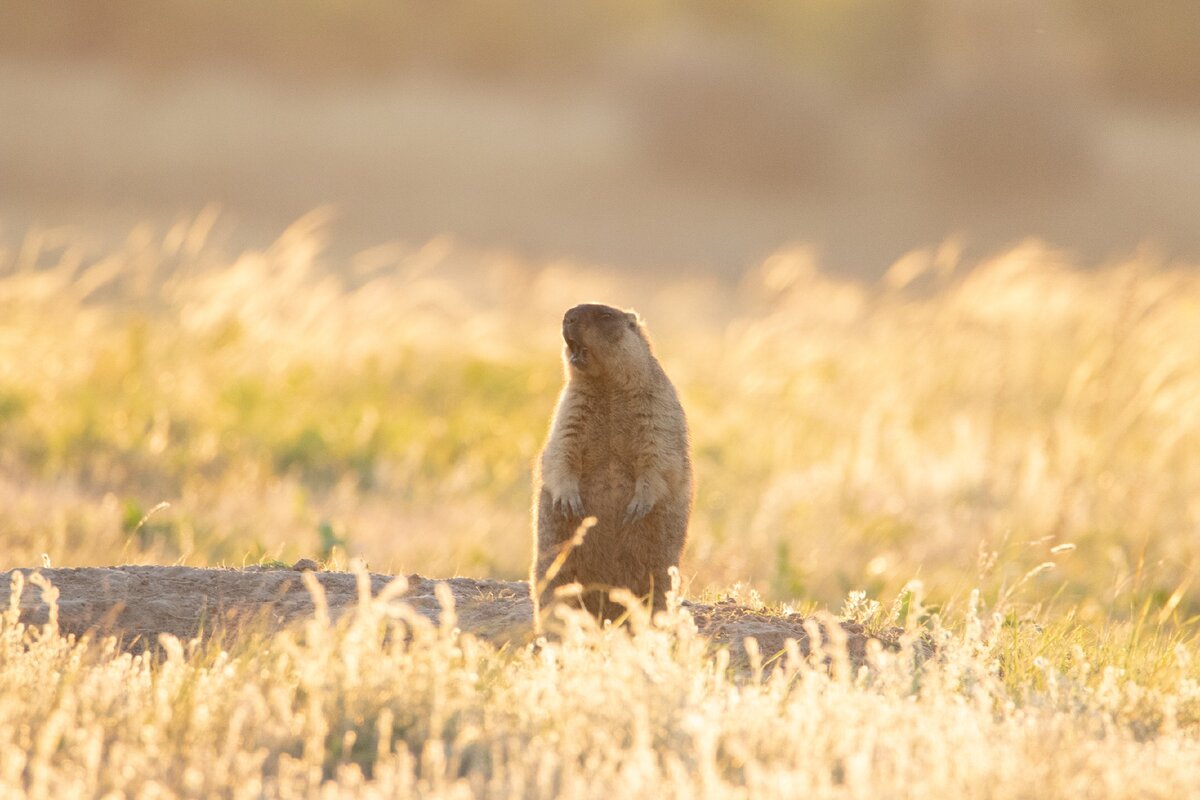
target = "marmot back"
x: 617, y: 451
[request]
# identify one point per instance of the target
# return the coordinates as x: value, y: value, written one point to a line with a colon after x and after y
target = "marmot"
x: 617, y: 451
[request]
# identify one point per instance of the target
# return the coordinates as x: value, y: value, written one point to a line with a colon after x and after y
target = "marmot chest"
x: 614, y: 433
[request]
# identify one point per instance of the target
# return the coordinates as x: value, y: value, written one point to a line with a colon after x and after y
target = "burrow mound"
x: 137, y: 603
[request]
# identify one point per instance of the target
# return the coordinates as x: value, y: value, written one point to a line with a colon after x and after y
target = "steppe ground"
x: 999, y: 457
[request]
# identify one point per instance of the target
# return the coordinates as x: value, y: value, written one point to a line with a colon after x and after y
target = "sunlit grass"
x: 388, y: 704
x: 953, y: 426
x: 1002, y: 459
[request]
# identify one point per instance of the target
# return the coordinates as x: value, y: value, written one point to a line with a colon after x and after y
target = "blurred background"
x: 643, y: 133
x: 922, y: 271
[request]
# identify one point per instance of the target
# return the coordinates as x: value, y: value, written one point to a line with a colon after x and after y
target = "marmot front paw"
x: 569, y: 503
x: 638, y: 507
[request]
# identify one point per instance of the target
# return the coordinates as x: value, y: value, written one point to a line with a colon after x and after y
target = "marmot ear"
x: 633, y: 318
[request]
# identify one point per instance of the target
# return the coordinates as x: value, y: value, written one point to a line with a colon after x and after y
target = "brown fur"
x: 617, y: 451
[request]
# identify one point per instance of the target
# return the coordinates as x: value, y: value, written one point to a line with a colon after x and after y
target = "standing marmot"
x: 617, y: 451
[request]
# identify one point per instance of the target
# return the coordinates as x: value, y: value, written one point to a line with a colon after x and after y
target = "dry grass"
x: 387, y: 705
x: 1004, y: 457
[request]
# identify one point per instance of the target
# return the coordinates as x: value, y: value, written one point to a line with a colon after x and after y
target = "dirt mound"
x: 136, y: 603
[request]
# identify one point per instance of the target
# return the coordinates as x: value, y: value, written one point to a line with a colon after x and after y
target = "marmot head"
x: 602, y: 340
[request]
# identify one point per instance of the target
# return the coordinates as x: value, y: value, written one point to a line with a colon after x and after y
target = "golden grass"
x: 1004, y: 456
x: 962, y: 431
x: 389, y: 705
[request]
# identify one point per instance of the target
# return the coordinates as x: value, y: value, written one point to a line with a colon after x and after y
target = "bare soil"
x: 137, y: 603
